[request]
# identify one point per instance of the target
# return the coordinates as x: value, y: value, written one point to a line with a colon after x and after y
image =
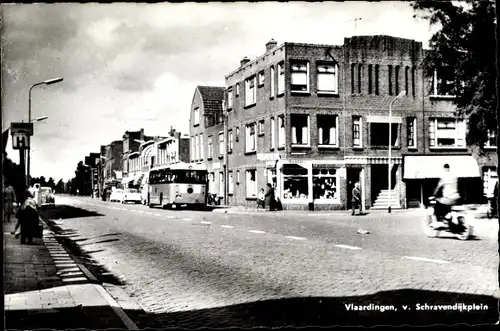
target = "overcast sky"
x: 130, y: 66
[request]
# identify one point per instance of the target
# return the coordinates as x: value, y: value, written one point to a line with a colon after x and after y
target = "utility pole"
x: 22, y: 165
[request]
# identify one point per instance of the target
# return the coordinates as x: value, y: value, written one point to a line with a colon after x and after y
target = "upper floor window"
x: 377, y: 79
x: 196, y: 116
x: 197, y: 147
x: 441, y: 86
x: 353, y: 81
x: 396, y: 79
x: 446, y: 132
x: 250, y: 141
x: 250, y: 91
x: 299, y: 76
x: 328, y: 130
x: 230, y: 146
x: 202, y: 147
x: 356, y: 131
x: 281, y: 78
x: 238, y: 89
x: 328, y: 78
x: 230, y: 98
x: 360, y: 73
x: 261, y: 78
x: 300, y: 129
x: 210, y: 147
x: 413, y: 77
x: 273, y: 133
x: 237, y: 134
x: 407, y: 75
x: 379, y: 134
x: 411, y: 132
x: 281, y: 131
x: 193, y: 151
x: 221, y: 143
x: 370, y: 79
x: 389, y: 77
x: 261, y: 127
x: 491, y: 140
x: 272, y: 78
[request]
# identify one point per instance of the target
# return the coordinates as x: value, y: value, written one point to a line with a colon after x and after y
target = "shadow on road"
x: 65, y: 211
x: 328, y: 311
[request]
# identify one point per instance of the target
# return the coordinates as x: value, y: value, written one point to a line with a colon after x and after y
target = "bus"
x: 178, y: 184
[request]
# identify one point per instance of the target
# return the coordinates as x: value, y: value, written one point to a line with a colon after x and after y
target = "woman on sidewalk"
x: 9, y: 196
x: 28, y: 219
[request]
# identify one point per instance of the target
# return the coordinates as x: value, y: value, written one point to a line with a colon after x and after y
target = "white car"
x: 116, y: 195
x: 131, y: 195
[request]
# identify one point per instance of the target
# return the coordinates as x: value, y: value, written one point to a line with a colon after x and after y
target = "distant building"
x: 113, y: 163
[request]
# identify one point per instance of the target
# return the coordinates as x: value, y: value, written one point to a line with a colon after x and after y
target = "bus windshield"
x: 189, y: 176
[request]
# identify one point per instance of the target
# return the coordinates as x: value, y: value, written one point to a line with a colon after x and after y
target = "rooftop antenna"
x: 356, y: 24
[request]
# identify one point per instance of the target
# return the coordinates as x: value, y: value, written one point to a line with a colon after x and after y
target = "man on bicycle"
x: 446, y: 194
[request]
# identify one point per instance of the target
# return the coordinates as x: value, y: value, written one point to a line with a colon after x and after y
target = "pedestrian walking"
x: 356, y: 199
x: 9, y: 196
x: 28, y: 219
x: 261, y: 199
x: 269, y: 201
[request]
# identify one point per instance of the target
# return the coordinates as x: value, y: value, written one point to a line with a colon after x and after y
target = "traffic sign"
x: 20, y: 140
x: 24, y: 127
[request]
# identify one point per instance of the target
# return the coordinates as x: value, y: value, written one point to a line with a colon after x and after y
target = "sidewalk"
x: 37, y: 296
x: 254, y: 210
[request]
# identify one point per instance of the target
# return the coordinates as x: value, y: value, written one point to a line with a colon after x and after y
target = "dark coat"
x: 356, y: 195
x: 28, y: 218
x: 269, y: 196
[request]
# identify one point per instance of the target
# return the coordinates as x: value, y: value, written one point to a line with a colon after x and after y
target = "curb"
x: 86, y: 277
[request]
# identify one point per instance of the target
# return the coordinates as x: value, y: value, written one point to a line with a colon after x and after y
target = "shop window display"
x: 295, y: 183
x: 325, y: 184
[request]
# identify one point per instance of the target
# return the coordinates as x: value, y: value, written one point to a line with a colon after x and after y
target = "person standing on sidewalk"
x: 9, y: 196
x: 28, y: 218
x: 356, y: 199
x: 270, y: 197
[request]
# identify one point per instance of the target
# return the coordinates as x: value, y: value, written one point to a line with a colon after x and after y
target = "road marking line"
x: 170, y: 216
x: 297, y: 238
x: 424, y: 259
x: 75, y: 279
x: 227, y: 226
x: 348, y: 247
x: 149, y: 213
x: 157, y: 215
x: 186, y: 219
x: 205, y: 222
x: 124, y: 209
x: 256, y: 231
x: 116, y: 308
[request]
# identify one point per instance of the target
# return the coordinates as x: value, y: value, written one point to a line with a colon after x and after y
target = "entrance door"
x: 353, y: 176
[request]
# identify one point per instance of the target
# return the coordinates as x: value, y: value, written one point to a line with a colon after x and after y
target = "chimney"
x: 244, y: 61
x: 271, y: 44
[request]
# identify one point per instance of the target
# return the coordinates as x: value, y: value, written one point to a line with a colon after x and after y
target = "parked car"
x: 46, y: 196
x: 116, y: 195
x: 131, y: 195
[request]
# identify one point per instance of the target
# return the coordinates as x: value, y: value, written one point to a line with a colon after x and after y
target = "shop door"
x: 353, y: 176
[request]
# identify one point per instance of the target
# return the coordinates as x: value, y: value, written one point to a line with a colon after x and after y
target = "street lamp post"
x: 390, y: 145
x: 45, y: 82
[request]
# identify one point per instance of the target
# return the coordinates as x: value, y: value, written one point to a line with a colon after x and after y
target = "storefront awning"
x: 431, y: 166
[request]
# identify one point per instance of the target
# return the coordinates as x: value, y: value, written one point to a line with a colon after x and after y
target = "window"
x: 360, y: 72
x: 273, y: 133
x: 230, y: 98
x: 407, y: 73
x: 299, y: 76
x: 328, y: 130
x: 413, y: 74
x: 221, y: 143
x: 272, y: 78
x: 237, y: 177
x: 210, y: 147
x: 281, y: 78
x: 237, y: 134
x: 356, y: 131
x: 197, y: 142
x: 251, y: 183
x: 390, y: 79
x: 491, y: 139
x: 193, y: 151
x: 230, y: 147
x: 271, y: 177
x: 281, y: 131
x: 295, y: 182
x: 328, y: 78
x: 376, y: 79
x: 261, y: 78
x: 396, y: 69
x: 230, y: 183
x: 370, y: 78
x: 202, y: 147
x: 411, y: 132
x: 250, y: 138
x: 353, y: 84
x: 221, y: 184
x: 250, y: 91
x: 325, y: 182
x: 261, y: 127
x: 379, y: 134
x: 238, y: 89
x: 196, y: 116
x: 447, y: 133
x: 440, y: 85
x: 300, y: 129
x: 211, y: 183
x: 490, y: 178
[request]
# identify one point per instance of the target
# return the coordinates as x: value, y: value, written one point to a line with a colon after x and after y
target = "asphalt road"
x: 195, y: 268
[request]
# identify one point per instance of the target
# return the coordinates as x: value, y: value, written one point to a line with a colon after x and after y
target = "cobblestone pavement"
x: 190, y: 269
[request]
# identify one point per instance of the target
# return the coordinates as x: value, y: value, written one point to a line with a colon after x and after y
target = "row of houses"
x: 314, y: 119
x: 125, y: 163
